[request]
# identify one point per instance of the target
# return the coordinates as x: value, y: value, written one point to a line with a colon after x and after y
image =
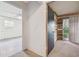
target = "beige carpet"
x: 61, y: 49
x: 21, y: 54
x: 65, y: 49
x: 26, y: 53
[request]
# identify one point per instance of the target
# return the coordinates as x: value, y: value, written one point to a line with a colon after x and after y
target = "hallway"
x: 65, y: 49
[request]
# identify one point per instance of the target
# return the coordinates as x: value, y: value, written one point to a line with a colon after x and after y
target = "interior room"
x: 67, y: 13
x: 39, y: 28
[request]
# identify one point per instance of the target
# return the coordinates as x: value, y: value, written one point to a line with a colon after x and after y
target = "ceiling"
x: 25, y: 1
x: 37, y: 1
x: 65, y: 7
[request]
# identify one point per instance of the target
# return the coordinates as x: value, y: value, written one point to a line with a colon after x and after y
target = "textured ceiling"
x: 41, y: 1
x: 25, y: 1
x: 65, y: 7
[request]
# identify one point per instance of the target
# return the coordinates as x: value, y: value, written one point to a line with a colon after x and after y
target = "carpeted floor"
x: 21, y: 54
x: 61, y: 49
x: 25, y: 53
x: 65, y: 49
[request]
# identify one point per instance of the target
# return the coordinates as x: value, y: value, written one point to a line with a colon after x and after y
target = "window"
x: 10, y: 21
x: 8, y: 24
x: 66, y: 29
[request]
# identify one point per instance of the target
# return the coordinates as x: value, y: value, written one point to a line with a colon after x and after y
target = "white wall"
x: 25, y: 27
x: 34, y: 28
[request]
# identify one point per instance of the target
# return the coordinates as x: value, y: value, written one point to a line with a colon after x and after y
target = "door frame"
x: 46, y: 29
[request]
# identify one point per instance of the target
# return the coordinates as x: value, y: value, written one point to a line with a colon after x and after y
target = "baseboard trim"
x: 31, y: 53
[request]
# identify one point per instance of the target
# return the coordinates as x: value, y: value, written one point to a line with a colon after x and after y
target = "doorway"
x: 66, y: 29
